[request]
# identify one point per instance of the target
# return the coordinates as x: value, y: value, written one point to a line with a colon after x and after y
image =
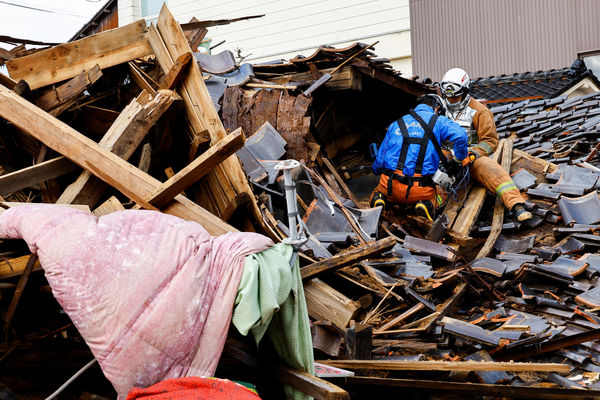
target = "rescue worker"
x: 410, y: 154
x: 478, y: 121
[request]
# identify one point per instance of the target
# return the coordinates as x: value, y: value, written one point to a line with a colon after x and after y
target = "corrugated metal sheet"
x: 494, y: 37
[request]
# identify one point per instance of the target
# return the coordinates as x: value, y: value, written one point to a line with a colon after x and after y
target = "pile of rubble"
x: 472, y: 304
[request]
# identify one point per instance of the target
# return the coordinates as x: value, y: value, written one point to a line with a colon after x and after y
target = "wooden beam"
x: 34, y: 175
x: 197, y: 168
x: 498, y: 217
x: 123, y: 138
x: 7, y: 81
x: 468, y: 215
x: 324, y: 303
x: 227, y: 184
x: 15, y: 266
x: 395, y: 365
x: 63, y: 95
x: 315, y: 387
x: 177, y: 71
x: 344, y: 259
x: 67, y: 60
x: 107, y: 166
x: 399, y: 387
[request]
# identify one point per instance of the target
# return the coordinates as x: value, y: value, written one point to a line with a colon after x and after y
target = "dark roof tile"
x: 545, y: 84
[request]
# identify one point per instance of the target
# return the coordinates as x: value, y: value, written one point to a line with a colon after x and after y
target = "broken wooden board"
x: 56, y: 100
x: 498, y: 217
x: 534, y: 165
x: 68, y: 60
x: 344, y: 259
x: 396, y: 365
x: 324, y: 303
x: 177, y: 71
x: 107, y: 166
x: 36, y: 174
x: 468, y: 215
x: 123, y: 138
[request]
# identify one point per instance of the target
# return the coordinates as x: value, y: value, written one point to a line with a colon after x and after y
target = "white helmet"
x: 455, y: 83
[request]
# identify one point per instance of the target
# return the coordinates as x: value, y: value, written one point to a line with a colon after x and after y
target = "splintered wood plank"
x: 198, y: 168
x: 63, y: 95
x: 227, y: 183
x: 498, y: 217
x: 344, y: 259
x: 123, y: 138
x: 109, y: 206
x: 468, y: 215
x: 36, y: 174
x: 133, y: 183
x: 324, y: 303
x: 177, y: 71
x: 396, y: 365
x: 67, y: 60
x: 535, y: 165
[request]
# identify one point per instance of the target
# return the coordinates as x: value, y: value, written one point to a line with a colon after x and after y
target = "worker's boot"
x: 425, y: 209
x: 520, y: 213
x: 378, y: 200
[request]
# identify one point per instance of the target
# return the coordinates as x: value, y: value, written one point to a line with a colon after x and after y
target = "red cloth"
x: 193, y: 388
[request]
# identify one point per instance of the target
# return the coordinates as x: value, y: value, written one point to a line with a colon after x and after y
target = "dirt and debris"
x: 474, y: 304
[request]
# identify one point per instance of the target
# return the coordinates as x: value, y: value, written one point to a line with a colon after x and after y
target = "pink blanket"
x: 151, y: 294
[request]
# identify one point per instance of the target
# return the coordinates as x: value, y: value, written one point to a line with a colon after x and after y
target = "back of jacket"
x: 444, y: 129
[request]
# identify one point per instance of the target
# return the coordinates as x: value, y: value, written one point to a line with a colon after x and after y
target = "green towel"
x: 270, y: 299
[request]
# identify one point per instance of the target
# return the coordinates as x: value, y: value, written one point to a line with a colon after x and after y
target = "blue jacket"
x: 444, y: 129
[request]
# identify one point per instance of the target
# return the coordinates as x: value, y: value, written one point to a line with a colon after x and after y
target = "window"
x: 151, y: 8
x: 591, y: 60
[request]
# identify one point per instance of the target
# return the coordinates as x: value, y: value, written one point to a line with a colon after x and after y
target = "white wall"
x: 292, y: 27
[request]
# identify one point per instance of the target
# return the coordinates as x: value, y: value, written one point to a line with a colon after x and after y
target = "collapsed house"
x: 473, y: 304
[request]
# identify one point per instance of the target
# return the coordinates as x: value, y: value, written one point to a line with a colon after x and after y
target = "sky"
x: 45, y: 20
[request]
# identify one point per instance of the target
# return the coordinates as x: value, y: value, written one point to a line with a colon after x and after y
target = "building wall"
x: 494, y: 37
x: 297, y: 27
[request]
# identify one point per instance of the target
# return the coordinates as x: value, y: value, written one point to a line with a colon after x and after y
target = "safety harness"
x: 428, y: 136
